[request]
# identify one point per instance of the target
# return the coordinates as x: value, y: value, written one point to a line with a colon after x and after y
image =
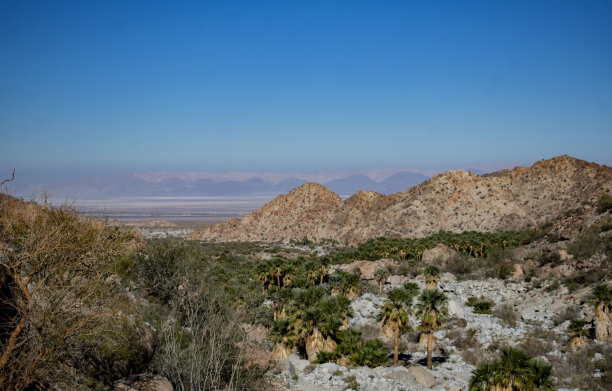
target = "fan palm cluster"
x: 514, y: 371
x: 473, y: 243
x: 431, y: 308
x: 301, y: 314
x: 279, y: 272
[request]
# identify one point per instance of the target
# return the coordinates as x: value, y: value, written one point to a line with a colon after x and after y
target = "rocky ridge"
x: 559, y: 188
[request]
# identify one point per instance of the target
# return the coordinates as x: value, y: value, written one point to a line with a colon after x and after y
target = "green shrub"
x: 585, y: 245
x: 324, y: 356
x: 505, y: 270
x: 480, y: 305
x: 372, y: 354
x: 604, y: 203
x: 483, y: 307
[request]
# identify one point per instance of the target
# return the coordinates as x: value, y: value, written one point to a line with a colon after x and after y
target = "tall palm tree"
x: 514, y: 371
x: 432, y: 309
x: 322, y: 269
x: 395, y: 316
x: 281, y: 299
x: 601, y: 299
x: 432, y: 275
x: 381, y: 276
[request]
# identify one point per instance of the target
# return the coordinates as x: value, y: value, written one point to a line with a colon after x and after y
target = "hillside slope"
x: 455, y: 201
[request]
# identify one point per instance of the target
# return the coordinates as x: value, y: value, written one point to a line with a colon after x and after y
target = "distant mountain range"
x: 561, y: 190
x: 191, y: 183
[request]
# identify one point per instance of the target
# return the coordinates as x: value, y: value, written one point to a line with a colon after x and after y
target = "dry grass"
x: 506, y: 313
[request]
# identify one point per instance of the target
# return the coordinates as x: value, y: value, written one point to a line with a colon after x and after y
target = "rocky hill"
x: 559, y: 188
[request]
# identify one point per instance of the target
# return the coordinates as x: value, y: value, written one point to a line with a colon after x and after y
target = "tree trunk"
x: 430, y: 342
x: 395, y: 345
x: 380, y: 284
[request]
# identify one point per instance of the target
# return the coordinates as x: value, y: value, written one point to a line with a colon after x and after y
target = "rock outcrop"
x: 558, y: 188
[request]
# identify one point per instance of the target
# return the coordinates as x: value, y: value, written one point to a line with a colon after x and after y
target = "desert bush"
x: 200, y: 340
x: 583, y: 279
x: 198, y: 307
x: 535, y: 346
x: 477, y: 355
x: 550, y: 258
x: 463, y: 339
x: 461, y: 266
x: 585, y: 245
x: 604, y: 203
x: 324, y: 356
x: 372, y: 354
x: 568, y: 313
x: 506, y: 313
x: 61, y: 299
x: 480, y: 305
x: 553, y: 286
x: 575, y: 368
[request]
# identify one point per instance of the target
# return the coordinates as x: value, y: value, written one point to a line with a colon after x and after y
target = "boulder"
x: 402, y: 375
x: 397, y: 280
x: 367, y: 269
x: 147, y: 341
x: 422, y: 376
x: 518, y: 273
x: 298, y: 363
x: 521, y: 253
x: 439, y: 255
x: 143, y: 382
x: 447, y: 277
x: 455, y: 309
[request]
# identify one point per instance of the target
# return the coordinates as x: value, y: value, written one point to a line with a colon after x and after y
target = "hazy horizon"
x: 104, y: 88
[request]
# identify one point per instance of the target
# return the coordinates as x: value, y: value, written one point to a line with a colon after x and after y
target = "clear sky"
x: 94, y: 87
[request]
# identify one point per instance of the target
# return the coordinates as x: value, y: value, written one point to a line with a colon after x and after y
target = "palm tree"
x: 395, y: 316
x: 432, y: 274
x: 514, y: 371
x: 311, y: 272
x: 284, y: 336
x: 601, y: 299
x: 381, y: 276
x: 263, y: 279
x: 577, y: 333
x: 281, y: 299
x: 322, y: 269
x: 412, y: 288
x: 431, y: 308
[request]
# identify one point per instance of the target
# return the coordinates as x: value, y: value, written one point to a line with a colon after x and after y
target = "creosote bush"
x: 201, y: 345
x: 62, y: 304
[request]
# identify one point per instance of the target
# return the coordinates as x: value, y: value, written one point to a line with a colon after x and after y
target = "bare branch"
x: 8, y: 180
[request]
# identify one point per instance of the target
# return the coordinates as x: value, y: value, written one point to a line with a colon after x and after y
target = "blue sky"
x: 98, y: 87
